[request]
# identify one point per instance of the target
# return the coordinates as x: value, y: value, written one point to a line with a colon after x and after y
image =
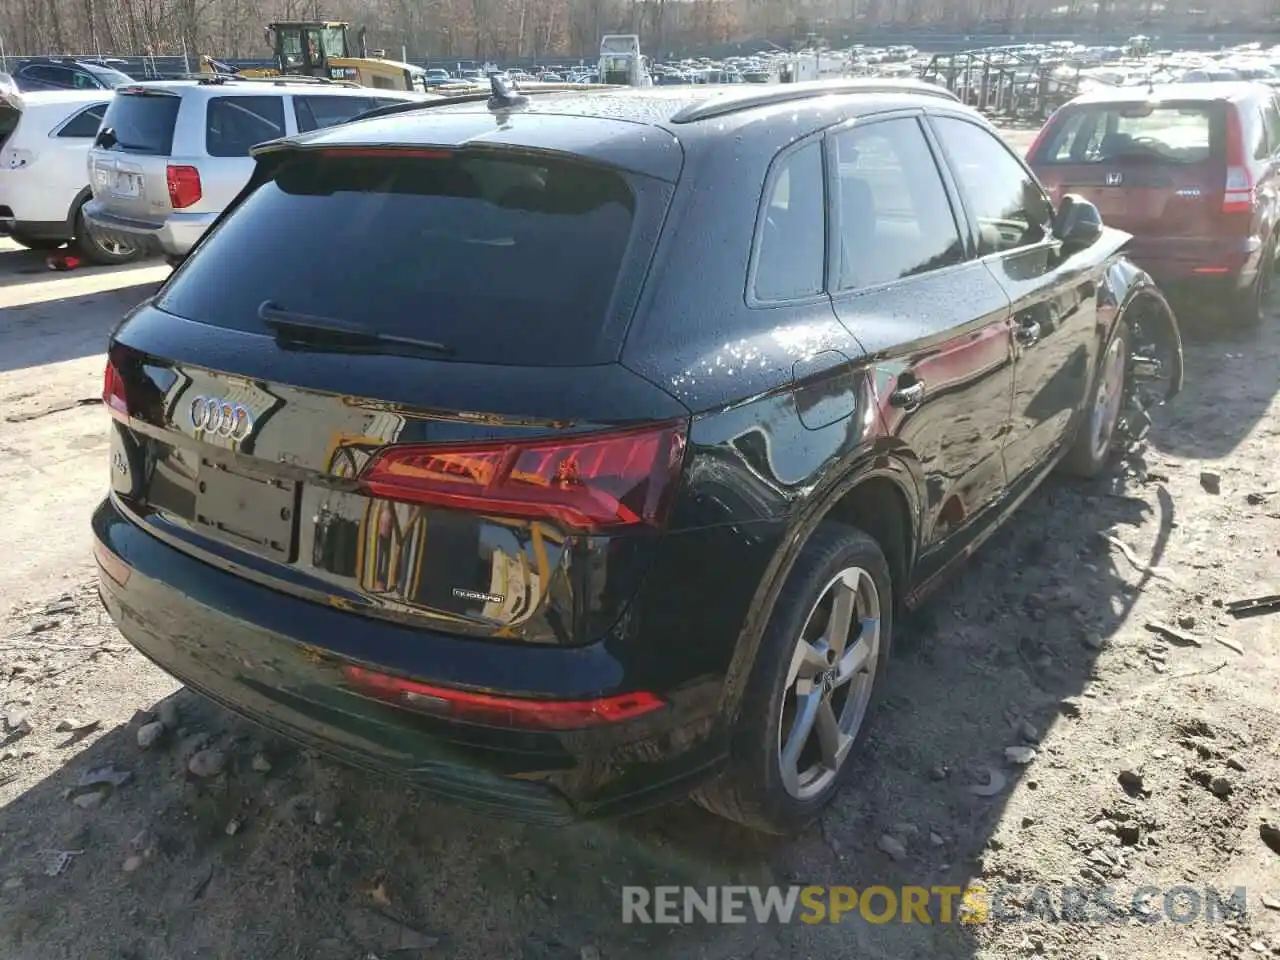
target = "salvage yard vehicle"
x: 1191, y: 170
x: 530, y: 495
x: 322, y: 49
x: 173, y: 153
x: 44, y: 139
x: 66, y: 73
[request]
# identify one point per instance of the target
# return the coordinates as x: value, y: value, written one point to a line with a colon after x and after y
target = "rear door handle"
x: 1027, y: 334
x: 909, y: 397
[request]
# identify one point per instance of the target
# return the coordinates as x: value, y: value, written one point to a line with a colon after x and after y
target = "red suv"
x: 1189, y: 169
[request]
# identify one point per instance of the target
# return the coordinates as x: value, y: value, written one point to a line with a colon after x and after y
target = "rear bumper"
x: 174, y: 236
x: 266, y: 656
x: 32, y: 207
x: 1170, y: 260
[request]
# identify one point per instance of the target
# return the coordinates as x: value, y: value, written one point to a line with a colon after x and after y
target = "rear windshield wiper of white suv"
x: 303, y: 330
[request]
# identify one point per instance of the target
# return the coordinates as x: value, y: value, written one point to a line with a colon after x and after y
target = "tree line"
x: 508, y: 30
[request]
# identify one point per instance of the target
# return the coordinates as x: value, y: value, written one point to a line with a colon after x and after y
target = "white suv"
x: 172, y: 154
x: 44, y: 138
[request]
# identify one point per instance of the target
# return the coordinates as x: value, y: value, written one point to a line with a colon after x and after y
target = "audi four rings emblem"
x: 221, y: 418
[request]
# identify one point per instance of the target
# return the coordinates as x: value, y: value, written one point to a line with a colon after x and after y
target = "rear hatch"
x: 411, y: 405
x: 130, y: 157
x: 1155, y: 170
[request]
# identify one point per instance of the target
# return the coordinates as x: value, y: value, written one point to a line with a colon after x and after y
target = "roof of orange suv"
x: 1214, y: 90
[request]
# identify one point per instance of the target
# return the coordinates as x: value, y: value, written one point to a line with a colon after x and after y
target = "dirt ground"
x: 1156, y: 763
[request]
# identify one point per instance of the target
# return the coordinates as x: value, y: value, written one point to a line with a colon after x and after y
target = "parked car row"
x: 144, y: 168
x: 481, y: 444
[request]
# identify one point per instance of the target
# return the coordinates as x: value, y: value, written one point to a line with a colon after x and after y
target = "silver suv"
x: 171, y: 154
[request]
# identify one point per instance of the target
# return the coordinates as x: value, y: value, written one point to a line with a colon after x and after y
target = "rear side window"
x: 235, y: 124
x: 85, y: 123
x: 893, y: 218
x: 1179, y: 133
x: 141, y: 123
x: 502, y: 259
x: 1271, y: 123
x: 313, y: 113
x: 791, y: 255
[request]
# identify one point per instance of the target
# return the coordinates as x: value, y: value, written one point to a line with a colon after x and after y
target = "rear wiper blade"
x: 304, y: 328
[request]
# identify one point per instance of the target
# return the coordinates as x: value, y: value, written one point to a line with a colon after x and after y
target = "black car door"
x: 1055, y: 317
x: 905, y: 282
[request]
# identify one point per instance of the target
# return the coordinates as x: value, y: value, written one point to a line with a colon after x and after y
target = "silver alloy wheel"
x: 112, y: 246
x: 829, y: 683
x: 1107, y: 399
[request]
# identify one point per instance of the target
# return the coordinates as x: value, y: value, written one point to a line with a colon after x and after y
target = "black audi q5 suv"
x: 568, y: 453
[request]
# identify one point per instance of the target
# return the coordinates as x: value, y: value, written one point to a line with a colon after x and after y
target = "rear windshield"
x: 141, y: 123
x: 1169, y: 133
x: 502, y: 259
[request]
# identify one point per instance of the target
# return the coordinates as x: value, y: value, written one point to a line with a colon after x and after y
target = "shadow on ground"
x: 67, y: 328
x: 1218, y: 349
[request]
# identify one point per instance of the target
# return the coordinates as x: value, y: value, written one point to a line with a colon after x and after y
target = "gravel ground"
x: 1145, y: 756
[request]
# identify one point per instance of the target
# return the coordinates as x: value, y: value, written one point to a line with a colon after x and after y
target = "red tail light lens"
x: 493, y: 710
x: 184, y: 186
x: 113, y: 392
x: 592, y: 482
x: 1238, y: 195
x: 385, y: 153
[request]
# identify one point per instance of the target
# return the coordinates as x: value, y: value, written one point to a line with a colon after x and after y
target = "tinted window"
x: 108, y: 77
x: 792, y: 245
x: 1131, y: 132
x: 504, y: 260
x: 893, y: 218
x: 1007, y: 202
x: 234, y: 124
x: 141, y: 123
x: 85, y: 123
x: 1271, y: 128
x: 315, y: 112
x: 48, y: 76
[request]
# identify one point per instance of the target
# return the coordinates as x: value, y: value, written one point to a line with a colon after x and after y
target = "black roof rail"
x: 787, y: 93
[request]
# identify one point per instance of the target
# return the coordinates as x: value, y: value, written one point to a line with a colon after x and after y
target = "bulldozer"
x: 320, y: 48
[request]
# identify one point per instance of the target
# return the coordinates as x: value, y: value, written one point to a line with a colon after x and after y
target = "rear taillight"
x: 113, y: 392
x: 184, y: 186
x: 1238, y: 195
x: 591, y: 482
x: 500, y: 711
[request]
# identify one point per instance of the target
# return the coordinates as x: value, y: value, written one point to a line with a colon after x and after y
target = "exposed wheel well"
x: 83, y: 197
x: 877, y: 507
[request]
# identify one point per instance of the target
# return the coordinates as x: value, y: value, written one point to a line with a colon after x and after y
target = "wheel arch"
x: 877, y: 495
x: 83, y: 197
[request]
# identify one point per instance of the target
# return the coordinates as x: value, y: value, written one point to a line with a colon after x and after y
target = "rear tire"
x: 106, y: 253
x: 42, y: 244
x: 1090, y: 453
x: 1252, y: 302
x: 812, y: 692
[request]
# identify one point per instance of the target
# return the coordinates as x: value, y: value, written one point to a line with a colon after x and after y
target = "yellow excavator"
x: 320, y: 48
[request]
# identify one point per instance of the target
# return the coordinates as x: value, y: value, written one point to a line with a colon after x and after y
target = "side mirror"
x: 1077, y: 224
